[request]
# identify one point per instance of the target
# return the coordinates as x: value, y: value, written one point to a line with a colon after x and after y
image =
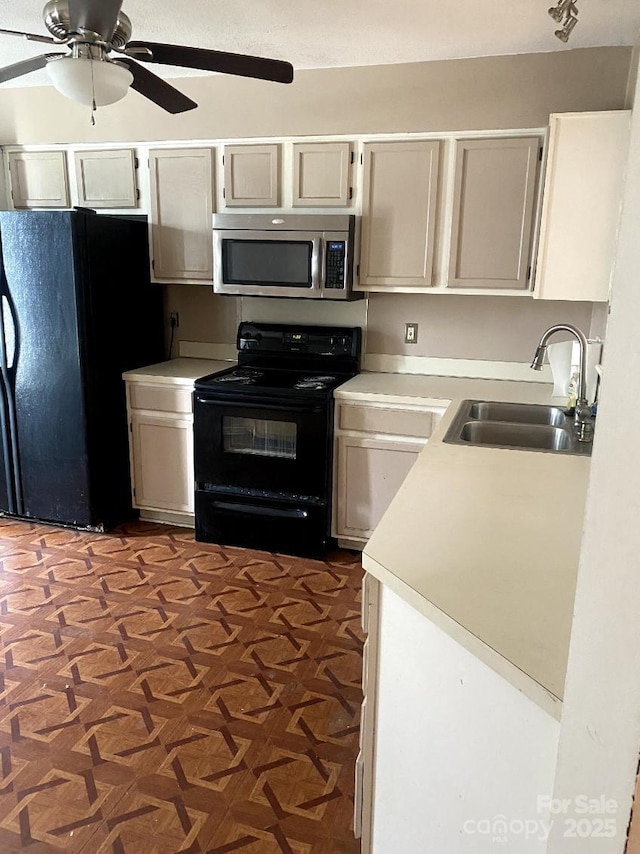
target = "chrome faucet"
x: 583, y: 424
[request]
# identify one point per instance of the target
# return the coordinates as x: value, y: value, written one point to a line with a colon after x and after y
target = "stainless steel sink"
x: 526, y: 427
x: 518, y: 413
x: 532, y: 436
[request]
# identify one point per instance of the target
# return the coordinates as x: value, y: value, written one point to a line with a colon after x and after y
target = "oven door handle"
x: 275, y: 407
x: 258, y: 510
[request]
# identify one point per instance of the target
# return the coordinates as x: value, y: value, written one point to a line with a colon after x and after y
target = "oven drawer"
x: 396, y: 422
x: 160, y: 398
x: 266, y: 524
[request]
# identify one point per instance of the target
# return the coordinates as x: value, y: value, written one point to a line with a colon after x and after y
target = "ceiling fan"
x: 92, y: 29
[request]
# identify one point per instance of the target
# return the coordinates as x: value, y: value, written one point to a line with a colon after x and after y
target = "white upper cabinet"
x: 106, y: 179
x: 321, y: 174
x: 493, y: 212
x: 398, y: 214
x: 38, y: 179
x: 252, y: 176
x: 181, y: 187
x: 581, y: 205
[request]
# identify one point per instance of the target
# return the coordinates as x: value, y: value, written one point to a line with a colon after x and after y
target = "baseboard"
x: 183, y: 520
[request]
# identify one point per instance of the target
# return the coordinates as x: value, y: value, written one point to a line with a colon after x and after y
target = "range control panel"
x: 326, y: 341
x: 334, y: 264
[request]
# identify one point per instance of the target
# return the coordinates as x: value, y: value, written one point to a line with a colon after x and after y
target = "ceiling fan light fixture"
x: 90, y: 81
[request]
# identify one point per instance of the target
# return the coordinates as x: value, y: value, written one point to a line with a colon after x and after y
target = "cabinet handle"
x: 259, y: 510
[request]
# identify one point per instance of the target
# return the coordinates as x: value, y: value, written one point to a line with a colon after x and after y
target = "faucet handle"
x: 582, y: 421
x: 584, y: 431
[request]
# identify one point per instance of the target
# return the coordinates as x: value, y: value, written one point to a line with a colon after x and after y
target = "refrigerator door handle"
x: 8, y: 333
x: 8, y: 416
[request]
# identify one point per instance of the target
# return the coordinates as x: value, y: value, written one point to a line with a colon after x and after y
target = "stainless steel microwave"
x: 281, y: 255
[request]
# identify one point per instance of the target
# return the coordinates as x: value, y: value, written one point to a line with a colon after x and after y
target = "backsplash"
x: 504, y: 329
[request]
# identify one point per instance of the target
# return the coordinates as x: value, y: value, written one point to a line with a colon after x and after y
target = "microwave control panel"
x: 334, y: 264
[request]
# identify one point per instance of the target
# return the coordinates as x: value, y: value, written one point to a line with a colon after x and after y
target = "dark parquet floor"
x: 159, y: 695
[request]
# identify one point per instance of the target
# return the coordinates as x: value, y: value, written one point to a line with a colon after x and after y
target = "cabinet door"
x: 494, y: 198
x: 581, y: 205
x: 398, y: 215
x: 365, y: 763
x: 162, y: 463
x: 181, y: 208
x: 38, y: 179
x: 321, y: 174
x: 251, y: 174
x: 106, y: 179
x: 370, y: 472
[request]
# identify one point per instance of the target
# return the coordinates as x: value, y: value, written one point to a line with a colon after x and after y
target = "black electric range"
x: 263, y: 434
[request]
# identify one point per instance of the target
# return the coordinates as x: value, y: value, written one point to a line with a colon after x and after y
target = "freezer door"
x: 40, y: 268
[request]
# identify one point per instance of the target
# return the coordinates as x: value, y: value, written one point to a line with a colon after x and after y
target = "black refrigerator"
x: 76, y: 310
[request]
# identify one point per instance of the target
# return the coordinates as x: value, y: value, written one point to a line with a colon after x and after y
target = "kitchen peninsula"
x: 468, y: 604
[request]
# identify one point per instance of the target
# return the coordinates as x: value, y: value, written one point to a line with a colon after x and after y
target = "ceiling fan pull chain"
x: 93, y: 96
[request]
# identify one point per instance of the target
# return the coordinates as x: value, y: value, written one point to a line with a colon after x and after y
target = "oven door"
x: 281, y: 448
x: 270, y: 264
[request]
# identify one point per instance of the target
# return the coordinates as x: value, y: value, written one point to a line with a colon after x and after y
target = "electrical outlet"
x: 411, y: 333
x: 174, y: 319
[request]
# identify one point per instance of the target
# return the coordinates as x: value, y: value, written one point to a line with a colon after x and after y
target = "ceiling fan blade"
x: 97, y: 16
x: 32, y: 37
x: 212, y: 60
x: 156, y: 89
x: 9, y: 72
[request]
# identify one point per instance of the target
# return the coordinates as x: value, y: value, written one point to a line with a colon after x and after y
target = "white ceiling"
x: 312, y: 34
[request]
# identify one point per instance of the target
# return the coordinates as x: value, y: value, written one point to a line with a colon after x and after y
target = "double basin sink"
x: 523, y: 426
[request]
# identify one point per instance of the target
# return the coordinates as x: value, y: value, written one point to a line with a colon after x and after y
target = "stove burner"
x: 314, y: 383
x: 241, y: 376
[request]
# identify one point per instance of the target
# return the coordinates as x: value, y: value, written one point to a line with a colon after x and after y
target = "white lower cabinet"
x: 370, y: 472
x: 365, y: 763
x: 162, y: 451
x: 453, y: 757
x: 375, y: 447
x: 161, y: 448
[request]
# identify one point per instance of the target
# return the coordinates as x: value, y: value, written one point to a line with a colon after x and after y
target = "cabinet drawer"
x: 160, y: 398
x: 398, y: 422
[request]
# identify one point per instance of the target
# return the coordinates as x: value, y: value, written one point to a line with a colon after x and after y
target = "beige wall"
x: 204, y: 316
x: 486, y: 92
x: 504, y: 329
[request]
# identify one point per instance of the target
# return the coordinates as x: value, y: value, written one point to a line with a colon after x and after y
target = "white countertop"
x: 438, y: 391
x: 176, y: 371
x: 483, y: 541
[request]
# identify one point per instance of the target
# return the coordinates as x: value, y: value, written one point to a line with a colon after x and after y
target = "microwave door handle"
x: 317, y: 264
